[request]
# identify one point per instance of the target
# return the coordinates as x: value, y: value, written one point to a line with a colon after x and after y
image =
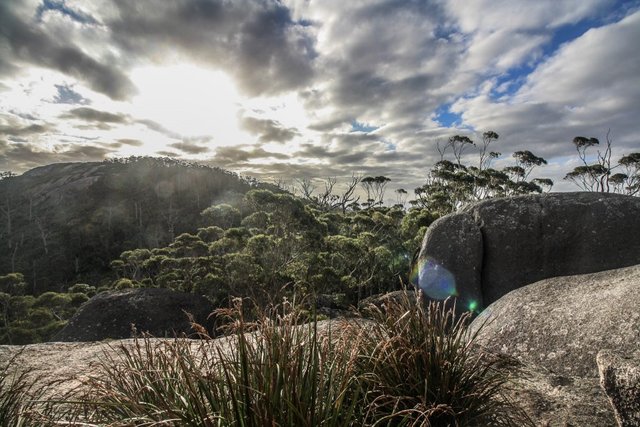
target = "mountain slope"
x: 63, y: 223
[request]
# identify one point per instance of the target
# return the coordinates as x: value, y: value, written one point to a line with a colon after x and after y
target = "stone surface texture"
x: 620, y: 379
x: 555, y: 328
x: 524, y: 239
x: 160, y: 312
x: 454, y: 240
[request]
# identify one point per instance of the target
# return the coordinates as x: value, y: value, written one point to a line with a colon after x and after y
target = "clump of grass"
x: 13, y: 397
x: 273, y: 371
x: 422, y: 369
x: 21, y: 399
x: 410, y: 365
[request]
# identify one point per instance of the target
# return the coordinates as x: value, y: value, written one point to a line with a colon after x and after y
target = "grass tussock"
x: 14, y: 398
x: 271, y: 372
x: 22, y: 401
x: 411, y: 364
x: 422, y: 369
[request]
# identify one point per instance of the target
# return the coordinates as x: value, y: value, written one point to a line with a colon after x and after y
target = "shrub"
x: 124, y: 284
x: 83, y: 288
x: 19, y: 335
x: 41, y: 316
x: 47, y: 331
x: 78, y: 298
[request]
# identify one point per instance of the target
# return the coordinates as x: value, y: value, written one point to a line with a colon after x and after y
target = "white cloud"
x: 306, y: 70
x: 500, y: 50
x: 519, y: 15
x: 588, y: 86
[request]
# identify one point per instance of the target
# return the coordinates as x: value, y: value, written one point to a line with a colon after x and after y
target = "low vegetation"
x: 408, y: 364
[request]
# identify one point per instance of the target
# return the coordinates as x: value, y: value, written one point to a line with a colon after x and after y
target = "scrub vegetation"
x: 408, y: 363
x: 70, y: 231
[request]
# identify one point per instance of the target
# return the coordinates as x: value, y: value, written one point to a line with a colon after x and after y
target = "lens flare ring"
x: 435, y: 281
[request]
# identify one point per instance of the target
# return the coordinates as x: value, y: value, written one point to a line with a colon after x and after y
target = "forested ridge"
x: 71, y: 230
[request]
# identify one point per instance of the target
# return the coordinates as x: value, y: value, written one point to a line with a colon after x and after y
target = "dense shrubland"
x: 272, y: 242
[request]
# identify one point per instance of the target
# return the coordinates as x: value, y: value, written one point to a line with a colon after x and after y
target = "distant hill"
x: 63, y: 223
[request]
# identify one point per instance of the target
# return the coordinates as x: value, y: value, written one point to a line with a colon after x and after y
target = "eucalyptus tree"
x: 453, y: 183
x: 597, y: 172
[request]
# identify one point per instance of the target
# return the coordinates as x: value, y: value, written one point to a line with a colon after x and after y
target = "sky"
x: 292, y: 89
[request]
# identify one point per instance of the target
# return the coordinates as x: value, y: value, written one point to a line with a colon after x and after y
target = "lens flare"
x: 435, y: 281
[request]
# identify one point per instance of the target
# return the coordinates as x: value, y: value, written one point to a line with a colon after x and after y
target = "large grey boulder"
x: 498, y: 245
x: 158, y: 311
x: 620, y: 379
x: 555, y: 328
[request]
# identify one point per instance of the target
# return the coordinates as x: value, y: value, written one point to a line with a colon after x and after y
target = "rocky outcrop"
x: 115, y: 314
x: 555, y: 328
x: 499, y: 245
x: 620, y: 379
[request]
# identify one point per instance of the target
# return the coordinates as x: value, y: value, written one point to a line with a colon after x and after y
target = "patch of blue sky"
x: 357, y: 126
x: 67, y: 95
x: 507, y: 84
x: 446, y: 118
x: 389, y: 146
x: 60, y: 6
x: 444, y: 32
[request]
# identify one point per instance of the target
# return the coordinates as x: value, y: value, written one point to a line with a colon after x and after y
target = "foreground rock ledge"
x: 556, y: 328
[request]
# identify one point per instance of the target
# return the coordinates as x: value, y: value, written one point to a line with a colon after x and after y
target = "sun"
x: 188, y: 100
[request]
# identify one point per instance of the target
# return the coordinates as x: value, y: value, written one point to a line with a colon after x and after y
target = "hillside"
x: 63, y: 223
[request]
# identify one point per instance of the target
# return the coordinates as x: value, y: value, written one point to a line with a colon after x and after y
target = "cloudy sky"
x: 304, y: 88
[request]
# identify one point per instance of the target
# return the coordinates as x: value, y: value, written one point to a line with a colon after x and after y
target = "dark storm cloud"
x: 27, y: 42
x: 371, y: 93
x: 394, y: 65
x: 328, y: 125
x: 157, y: 127
x: 268, y: 130
x: 168, y: 154
x: 349, y: 149
x: 258, y: 42
x: 61, y: 7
